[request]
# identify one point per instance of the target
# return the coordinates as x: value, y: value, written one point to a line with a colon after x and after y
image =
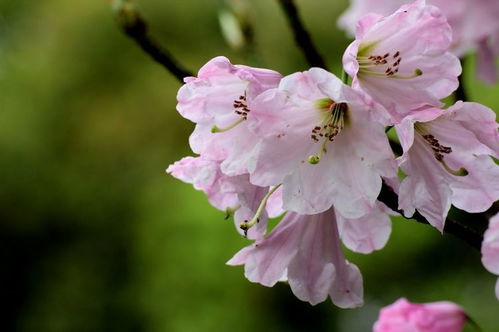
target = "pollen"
x: 241, y: 107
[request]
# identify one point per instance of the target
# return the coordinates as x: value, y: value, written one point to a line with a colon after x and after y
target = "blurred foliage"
x: 95, y: 237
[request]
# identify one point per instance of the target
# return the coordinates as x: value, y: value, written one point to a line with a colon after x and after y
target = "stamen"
x: 246, y: 225
x: 333, y: 123
x: 377, y: 65
x: 215, y: 129
x: 439, y: 151
x: 391, y: 74
x: 460, y: 172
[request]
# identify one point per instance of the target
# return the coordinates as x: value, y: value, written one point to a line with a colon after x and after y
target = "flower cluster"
x: 312, y: 147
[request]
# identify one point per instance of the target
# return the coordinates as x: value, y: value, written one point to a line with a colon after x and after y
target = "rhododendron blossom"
x: 219, y: 102
x: 321, y: 140
x: 402, y: 60
x: 403, y: 316
x: 474, y: 25
x: 447, y: 160
x: 490, y: 249
x: 305, y: 251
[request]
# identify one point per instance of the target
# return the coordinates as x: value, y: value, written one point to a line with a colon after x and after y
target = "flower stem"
x: 135, y: 27
x: 245, y: 225
x: 461, y: 93
x: 302, y: 37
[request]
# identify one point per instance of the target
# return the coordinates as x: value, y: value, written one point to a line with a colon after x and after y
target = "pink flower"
x: 490, y: 249
x: 305, y: 251
x: 367, y: 233
x: 474, y: 25
x: 219, y: 101
x: 403, y: 316
x: 447, y: 161
x: 402, y: 60
x: 320, y: 139
x: 233, y: 194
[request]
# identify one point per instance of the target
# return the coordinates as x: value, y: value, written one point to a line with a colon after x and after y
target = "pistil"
x: 246, y: 225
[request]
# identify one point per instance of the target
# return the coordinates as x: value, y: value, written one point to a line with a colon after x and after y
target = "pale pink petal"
x: 311, y: 271
x: 477, y: 191
x: 423, y: 188
x: 403, y: 316
x: 486, y: 63
x: 480, y: 120
x: 490, y: 246
x: 274, y: 204
x: 347, y: 290
x: 359, y: 8
x: 367, y: 233
x: 241, y: 256
x: 270, y: 257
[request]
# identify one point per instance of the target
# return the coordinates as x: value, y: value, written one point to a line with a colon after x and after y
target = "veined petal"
x: 403, y: 61
x: 480, y: 120
x: 367, y: 233
x: 311, y: 272
x: 270, y: 257
x: 424, y: 188
x: 490, y: 246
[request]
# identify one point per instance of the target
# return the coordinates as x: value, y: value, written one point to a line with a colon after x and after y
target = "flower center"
x: 334, y: 116
x: 386, y: 65
x: 241, y: 109
x: 439, y: 150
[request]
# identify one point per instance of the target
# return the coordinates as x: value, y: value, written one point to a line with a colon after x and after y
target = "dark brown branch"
x: 302, y: 37
x: 134, y: 26
x: 469, y: 235
x: 460, y: 93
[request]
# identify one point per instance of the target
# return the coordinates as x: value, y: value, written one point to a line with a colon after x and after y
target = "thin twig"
x: 135, y: 27
x: 302, y: 37
x: 460, y: 93
x: 460, y: 230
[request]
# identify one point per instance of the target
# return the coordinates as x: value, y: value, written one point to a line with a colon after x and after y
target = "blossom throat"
x: 439, y: 151
x: 240, y: 108
x: 332, y: 124
x: 386, y: 65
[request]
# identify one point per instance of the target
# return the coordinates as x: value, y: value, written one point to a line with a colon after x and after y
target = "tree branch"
x: 469, y: 235
x: 134, y: 26
x: 460, y: 93
x: 302, y: 37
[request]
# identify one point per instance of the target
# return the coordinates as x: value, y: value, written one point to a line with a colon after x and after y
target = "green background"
x: 94, y: 236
